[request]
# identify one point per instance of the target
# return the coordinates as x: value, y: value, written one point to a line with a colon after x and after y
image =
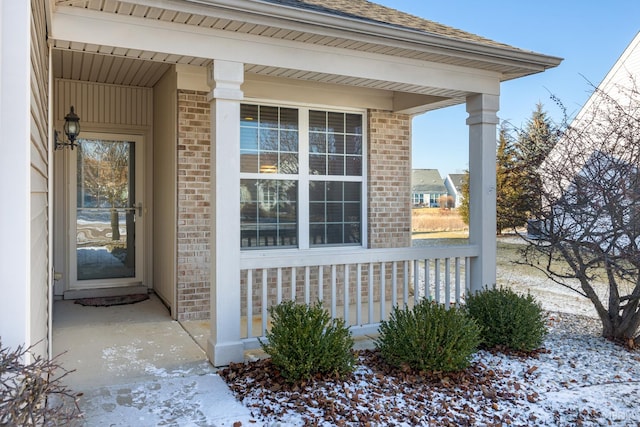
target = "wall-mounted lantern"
x: 71, y: 130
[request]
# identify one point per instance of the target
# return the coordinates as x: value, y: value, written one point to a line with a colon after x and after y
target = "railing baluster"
x: 293, y: 283
x: 359, y: 294
x: 320, y: 283
x: 457, y: 281
x: 370, y: 300
x: 447, y: 282
x: 249, y: 303
x: 427, y: 279
x: 437, y: 280
x: 416, y: 281
x: 279, y: 286
x: 333, y: 291
x: 394, y: 283
x: 346, y: 294
x: 264, y: 302
x: 383, y: 291
x: 405, y: 283
x: 467, y: 276
x: 306, y: 284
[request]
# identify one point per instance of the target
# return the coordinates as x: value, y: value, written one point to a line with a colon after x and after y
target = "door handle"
x: 138, y: 207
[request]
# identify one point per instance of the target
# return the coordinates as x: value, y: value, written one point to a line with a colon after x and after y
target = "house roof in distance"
x: 457, y: 179
x: 427, y: 181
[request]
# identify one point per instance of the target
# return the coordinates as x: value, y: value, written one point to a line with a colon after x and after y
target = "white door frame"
x: 74, y: 284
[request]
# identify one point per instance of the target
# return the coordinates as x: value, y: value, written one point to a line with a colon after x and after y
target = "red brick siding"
x: 193, y: 228
x: 389, y: 199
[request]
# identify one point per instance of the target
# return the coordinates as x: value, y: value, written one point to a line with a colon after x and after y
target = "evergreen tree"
x: 463, y: 209
x: 511, y: 200
x: 534, y: 144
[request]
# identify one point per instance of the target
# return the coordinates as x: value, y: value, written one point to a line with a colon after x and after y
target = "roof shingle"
x: 368, y: 11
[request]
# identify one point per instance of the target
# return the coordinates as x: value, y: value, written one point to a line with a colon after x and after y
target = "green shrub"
x: 508, y: 319
x: 305, y: 341
x: 428, y: 338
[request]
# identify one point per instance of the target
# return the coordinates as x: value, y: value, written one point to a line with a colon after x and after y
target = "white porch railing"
x: 348, y: 281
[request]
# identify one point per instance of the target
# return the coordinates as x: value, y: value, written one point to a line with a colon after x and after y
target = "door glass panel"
x: 105, y: 211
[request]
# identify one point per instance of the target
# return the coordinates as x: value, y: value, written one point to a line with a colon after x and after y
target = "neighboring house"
x: 284, y: 125
x: 621, y: 77
x: 427, y: 188
x: 596, y: 174
x: 454, y: 182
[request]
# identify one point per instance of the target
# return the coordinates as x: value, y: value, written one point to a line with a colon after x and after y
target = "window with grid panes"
x: 274, y: 182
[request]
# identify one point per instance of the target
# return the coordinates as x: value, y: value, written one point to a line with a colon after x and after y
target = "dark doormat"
x: 108, y: 301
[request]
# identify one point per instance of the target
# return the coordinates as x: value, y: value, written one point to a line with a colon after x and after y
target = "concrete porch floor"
x: 134, y: 366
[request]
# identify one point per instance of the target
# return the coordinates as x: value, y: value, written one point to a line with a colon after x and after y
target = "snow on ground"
x: 578, y: 378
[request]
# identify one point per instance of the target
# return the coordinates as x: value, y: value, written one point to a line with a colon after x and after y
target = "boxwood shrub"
x: 508, y: 319
x: 428, y: 337
x: 304, y: 341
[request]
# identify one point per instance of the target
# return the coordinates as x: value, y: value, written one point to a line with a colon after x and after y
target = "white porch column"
x: 482, y: 121
x: 224, y: 344
x: 15, y: 172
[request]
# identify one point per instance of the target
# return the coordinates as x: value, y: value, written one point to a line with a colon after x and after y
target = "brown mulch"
x: 377, y: 394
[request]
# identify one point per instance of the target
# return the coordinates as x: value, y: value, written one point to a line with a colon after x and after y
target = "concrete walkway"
x: 136, y: 367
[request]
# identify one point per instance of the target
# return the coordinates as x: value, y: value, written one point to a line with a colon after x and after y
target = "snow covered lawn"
x: 578, y: 378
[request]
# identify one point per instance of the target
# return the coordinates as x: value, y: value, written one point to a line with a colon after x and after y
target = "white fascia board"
x: 85, y: 26
x: 332, y: 25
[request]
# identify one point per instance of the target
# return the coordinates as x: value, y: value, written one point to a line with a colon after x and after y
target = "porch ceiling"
x: 130, y: 67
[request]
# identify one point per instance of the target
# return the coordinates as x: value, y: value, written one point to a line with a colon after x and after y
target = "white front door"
x: 106, y: 212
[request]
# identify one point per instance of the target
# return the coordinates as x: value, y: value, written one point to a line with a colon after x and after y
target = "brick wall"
x: 193, y: 228
x: 389, y: 163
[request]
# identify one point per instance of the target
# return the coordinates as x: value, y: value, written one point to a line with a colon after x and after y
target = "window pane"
x: 336, y: 144
x: 268, y: 162
x: 317, y: 191
x: 289, y: 118
x: 336, y: 165
x: 354, y: 166
x: 336, y: 122
x: 317, y: 234
x: 352, y: 191
x: 334, y: 234
x: 317, y: 142
x: 317, y: 212
x: 352, y: 233
x: 269, y: 213
x: 289, y: 141
x: 354, y: 124
x: 248, y: 138
x: 269, y: 139
x: 288, y: 163
x: 352, y: 212
x: 335, y: 191
x: 341, y: 140
x: 248, y: 161
x: 248, y: 115
x: 318, y: 164
x: 269, y: 117
x: 317, y: 121
x: 334, y: 213
x: 354, y: 144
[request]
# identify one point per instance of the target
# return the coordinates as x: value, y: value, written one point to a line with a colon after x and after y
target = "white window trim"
x: 303, y: 176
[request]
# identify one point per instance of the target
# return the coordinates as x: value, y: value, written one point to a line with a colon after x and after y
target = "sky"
x: 589, y: 34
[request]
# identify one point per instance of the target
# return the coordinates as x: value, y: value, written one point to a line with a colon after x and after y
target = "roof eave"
x: 529, y: 62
